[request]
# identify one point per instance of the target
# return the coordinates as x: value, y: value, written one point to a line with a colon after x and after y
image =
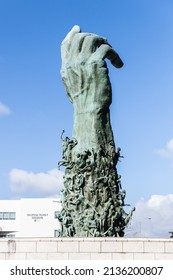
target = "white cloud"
x: 49, y: 184
x: 152, y: 218
x: 167, y: 151
x: 4, y: 110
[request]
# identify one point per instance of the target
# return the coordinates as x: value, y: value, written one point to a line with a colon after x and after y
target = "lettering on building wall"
x: 37, y: 217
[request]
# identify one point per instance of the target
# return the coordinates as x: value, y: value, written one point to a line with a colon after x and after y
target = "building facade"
x: 29, y: 218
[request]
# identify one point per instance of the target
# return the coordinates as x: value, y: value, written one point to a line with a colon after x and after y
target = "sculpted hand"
x: 84, y: 70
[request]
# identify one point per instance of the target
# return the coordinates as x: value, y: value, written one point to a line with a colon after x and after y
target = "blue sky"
x: 34, y: 108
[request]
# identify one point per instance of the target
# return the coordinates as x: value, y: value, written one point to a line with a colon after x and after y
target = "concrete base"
x: 86, y: 248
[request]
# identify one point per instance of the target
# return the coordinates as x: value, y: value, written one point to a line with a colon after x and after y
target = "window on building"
x: 10, y: 236
x: 12, y: 215
x: 7, y: 236
x: 7, y: 215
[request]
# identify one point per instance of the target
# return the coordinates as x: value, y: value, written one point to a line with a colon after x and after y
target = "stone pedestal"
x: 86, y: 248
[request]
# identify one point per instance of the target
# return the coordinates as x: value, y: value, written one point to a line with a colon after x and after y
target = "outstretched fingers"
x: 77, y: 43
x: 66, y: 43
x: 88, y: 44
x: 106, y: 51
x: 91, y: 43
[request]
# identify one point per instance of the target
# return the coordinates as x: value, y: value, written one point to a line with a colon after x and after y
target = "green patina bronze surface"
x: 92, y: 197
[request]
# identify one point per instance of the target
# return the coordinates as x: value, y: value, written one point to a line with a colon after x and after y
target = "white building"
x: 29, y: 217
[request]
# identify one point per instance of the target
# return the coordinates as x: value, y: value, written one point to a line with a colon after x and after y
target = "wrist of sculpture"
x: 91, y: 129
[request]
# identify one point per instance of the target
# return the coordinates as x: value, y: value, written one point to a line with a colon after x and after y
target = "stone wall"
x: 86, y: 248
